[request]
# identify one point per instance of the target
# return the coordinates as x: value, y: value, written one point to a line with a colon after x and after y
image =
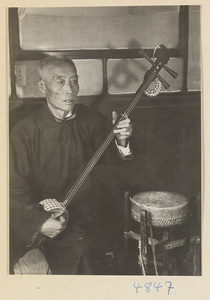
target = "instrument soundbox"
x: 58, y: 209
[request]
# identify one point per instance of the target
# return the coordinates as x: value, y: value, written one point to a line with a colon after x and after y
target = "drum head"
x: 164, y: 209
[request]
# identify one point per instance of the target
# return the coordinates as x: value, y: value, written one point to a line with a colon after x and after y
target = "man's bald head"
x: 50, y: 62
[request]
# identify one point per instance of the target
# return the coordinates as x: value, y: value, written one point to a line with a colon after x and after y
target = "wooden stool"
x: 162, y: 210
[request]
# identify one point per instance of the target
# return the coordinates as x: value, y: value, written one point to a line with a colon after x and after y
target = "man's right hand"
x: 52, y: 227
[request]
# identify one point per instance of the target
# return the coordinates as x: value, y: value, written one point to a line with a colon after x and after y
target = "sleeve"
x: 26, y: 214
x: 124, y: 152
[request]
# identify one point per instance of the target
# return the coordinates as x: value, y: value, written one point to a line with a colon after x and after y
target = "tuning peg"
x: 146, y: 56
x: 164, y: 83
x: 171, y: 72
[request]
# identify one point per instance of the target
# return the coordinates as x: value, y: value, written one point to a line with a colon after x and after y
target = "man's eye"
x: 60, y: 82
x: 74, y: 81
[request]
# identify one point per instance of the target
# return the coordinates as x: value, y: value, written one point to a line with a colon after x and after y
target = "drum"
x: 164, y: 209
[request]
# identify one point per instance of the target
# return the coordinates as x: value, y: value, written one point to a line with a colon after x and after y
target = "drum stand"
x: 145, y: 238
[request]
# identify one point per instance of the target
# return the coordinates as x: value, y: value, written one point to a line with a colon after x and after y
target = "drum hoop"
x: 162, y: 222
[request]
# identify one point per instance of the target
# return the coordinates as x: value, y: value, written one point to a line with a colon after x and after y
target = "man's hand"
x: 52, y: 227
x: 123, y: 131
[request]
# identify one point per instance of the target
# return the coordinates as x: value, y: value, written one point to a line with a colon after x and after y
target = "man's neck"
x: 60, y: 115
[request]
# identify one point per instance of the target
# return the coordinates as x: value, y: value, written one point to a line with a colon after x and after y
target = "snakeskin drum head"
x: 164, y: 209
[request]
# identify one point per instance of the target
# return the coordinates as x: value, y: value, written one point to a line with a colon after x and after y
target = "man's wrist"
x: 122, y: 143
x: 125, y: 152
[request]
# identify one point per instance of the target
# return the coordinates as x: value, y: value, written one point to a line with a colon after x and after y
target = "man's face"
x: 60, y: 85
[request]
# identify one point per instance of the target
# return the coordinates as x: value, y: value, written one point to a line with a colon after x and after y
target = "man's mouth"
x: 69, y: 101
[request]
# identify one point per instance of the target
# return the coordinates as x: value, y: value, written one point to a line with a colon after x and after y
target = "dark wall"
x: 168, y: 133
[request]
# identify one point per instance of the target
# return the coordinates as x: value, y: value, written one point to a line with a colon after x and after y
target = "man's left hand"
x: 123, y: 130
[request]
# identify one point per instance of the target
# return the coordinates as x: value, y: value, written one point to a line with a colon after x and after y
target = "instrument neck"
x: 92, y: 162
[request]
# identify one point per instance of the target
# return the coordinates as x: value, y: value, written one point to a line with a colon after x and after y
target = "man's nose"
x: 69, y: 88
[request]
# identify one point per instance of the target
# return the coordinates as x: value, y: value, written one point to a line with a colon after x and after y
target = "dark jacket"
x: 46, y: 157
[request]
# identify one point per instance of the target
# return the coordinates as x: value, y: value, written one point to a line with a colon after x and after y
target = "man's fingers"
x: 114, y: 117
x: 126, y: 133
x: 123, y: 129
x: 124, y: 125
x: 62, y: 220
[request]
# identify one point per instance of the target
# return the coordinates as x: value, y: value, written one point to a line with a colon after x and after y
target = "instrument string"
x: 80, y: 180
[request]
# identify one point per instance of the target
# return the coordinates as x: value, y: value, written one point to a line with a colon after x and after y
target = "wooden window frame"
x: 16, y: 53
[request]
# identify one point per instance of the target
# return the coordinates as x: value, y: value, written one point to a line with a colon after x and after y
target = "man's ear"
x: 41, y: 85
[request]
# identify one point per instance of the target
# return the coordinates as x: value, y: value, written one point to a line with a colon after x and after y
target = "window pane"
x: 126, y: 75
x: 98, y: 27
x: 89, y: 72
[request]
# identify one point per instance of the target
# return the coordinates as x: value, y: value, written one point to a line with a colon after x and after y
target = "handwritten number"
x: 169, y: 286
x: 157, y: 286
x: 137, y: 287
x: 147, y: 286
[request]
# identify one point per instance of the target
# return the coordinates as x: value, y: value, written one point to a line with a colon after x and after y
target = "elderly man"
x: 48, y: 150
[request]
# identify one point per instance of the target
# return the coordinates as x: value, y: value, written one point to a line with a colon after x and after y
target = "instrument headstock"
x: 162, y: 54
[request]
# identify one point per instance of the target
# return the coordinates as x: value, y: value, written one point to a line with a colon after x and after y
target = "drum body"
x: 164, y: 209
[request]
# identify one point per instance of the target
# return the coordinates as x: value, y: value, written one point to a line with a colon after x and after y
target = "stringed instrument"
x: 58, y: 209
